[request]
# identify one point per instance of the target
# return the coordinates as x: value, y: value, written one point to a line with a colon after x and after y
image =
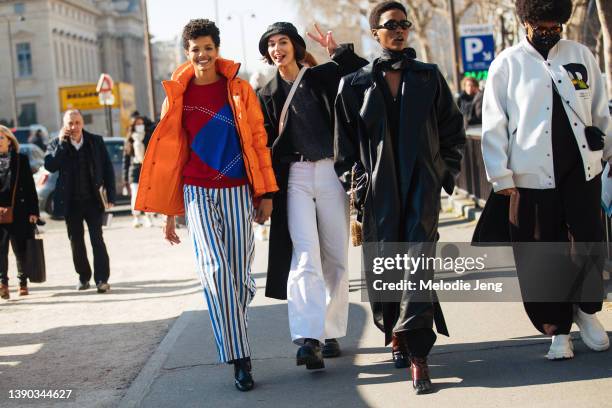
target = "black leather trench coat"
x: 323, y: 82
x: 398, y: 193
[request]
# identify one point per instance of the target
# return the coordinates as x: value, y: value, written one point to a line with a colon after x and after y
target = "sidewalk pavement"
x: 494, y: 358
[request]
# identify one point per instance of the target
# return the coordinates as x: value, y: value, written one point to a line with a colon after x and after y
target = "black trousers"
x: 569, y: 213
x: 91, y: 213
x: 18, y: 243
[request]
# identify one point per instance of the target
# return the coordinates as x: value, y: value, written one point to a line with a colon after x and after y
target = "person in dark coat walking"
x: 308, y: 255
x: 85, y: 189
x: 398, y: 126
x: 17, y: 191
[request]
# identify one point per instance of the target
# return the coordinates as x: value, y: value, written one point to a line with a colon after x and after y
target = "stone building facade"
x: 58, y: 43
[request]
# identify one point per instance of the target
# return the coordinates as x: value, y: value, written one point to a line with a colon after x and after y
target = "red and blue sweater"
x: 215, y: 158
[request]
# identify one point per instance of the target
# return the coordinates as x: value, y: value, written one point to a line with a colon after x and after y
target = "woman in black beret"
x: 307, y: 262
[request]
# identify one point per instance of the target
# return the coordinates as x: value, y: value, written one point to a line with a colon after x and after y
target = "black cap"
x: 279, y: 28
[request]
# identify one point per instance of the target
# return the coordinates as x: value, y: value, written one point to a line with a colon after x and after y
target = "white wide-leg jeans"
x: 317, y: 288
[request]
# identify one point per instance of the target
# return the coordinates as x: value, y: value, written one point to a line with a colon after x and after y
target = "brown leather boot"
x: 23, y: 291
x: 400, y: 357
x: 4, y: 292
x: 420, y: 375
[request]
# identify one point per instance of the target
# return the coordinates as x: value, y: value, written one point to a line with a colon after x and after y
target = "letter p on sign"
x: 473, y: 46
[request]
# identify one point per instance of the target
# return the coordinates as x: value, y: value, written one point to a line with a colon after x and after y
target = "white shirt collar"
x: 75, y: 144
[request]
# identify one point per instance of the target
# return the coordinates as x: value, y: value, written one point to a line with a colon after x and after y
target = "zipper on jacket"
x: 244, y: 155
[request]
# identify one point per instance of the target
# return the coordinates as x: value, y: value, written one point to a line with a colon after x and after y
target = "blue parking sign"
x: 477, y: 47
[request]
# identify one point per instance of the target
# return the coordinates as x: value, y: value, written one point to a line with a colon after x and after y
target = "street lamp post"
x: 12, y: 63
x: 241, y: 15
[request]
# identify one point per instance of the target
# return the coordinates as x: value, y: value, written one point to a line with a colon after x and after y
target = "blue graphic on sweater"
x: 217, y: 144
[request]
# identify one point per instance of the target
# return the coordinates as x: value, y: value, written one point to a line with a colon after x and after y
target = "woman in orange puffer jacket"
x: 208, y: 159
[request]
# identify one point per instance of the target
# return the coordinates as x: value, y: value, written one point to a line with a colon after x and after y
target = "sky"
x: 167, y: 18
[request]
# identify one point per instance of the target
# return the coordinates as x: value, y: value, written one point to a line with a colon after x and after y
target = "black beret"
x: 280, y: 28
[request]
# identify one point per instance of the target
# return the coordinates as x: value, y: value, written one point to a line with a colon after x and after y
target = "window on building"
x: 27, y: 116
x: 24, y: 59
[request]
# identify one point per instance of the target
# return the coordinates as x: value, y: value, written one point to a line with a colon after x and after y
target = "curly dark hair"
x: 380, y: 8
x: 200, y: 27
x: 298, y: 50
x: 544, y: 10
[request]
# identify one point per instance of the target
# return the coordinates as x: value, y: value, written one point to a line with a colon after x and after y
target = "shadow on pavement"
x: 95, y: 361
x: 120, y: 292
x: 191, y: 376
x: 502, y: 364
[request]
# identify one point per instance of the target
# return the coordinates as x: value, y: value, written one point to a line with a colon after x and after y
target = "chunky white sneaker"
x: 561, y: 348
x: 592, y: 332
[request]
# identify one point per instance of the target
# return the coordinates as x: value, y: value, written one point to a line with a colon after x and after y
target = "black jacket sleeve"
x: 347, y: 60
x: 450, y: 132
x: 348, y: 165
x: 27, y: 183
x: 127, y: 160
x: 346, y: 144
x: 55, y: 157
x: 108, y: 173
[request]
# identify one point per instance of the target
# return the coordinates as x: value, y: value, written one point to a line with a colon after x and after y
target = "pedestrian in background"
x: 399, y: 140
x: 85, y: 189
x: 38, y: 139
x: 546, y: 130
x: 308, y: 252
x: 133, y: 156
x: 470, y: 102
x: 17, y: 195
x: 208, y: 158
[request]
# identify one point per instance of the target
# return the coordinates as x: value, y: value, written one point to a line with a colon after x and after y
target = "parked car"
x: 36, y: 156
x: 45, y: 181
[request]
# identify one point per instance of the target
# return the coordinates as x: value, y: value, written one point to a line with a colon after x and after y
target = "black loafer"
x: 243, y: 380
x: 310, y: 355
x: 331, y: 348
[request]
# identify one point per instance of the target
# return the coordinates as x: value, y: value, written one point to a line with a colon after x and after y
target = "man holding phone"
x: 84, y: 190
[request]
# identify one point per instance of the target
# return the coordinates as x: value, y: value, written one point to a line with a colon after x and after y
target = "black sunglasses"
x: 393, y: 25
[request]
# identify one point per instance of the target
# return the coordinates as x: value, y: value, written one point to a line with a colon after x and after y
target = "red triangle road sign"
x: 105, y: 84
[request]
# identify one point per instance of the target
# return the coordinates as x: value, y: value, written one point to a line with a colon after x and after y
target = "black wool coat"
x: 323, y: 82
x: 62, y: 156
x: 26, y: 199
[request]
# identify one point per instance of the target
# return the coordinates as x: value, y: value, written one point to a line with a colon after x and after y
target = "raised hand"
x: 326, y: 41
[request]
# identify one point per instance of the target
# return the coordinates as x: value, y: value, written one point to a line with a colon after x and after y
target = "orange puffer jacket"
x: 160, y: 187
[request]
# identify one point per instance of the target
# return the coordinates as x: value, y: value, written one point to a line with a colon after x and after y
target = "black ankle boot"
x: 310, y: 354
x: 243, y: 380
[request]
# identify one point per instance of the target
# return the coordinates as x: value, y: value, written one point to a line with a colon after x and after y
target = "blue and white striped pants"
x: 220, y: 225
